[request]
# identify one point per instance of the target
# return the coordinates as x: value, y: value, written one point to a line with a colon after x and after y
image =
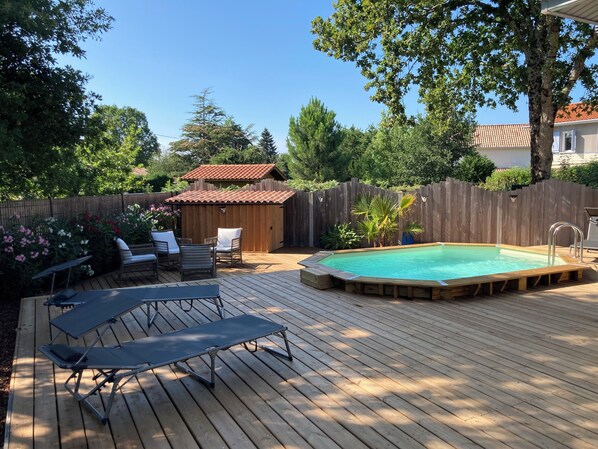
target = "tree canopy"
x: 313, y: 142
x: 210, y: 131
x: 43, y: 107
x: 465, y: 54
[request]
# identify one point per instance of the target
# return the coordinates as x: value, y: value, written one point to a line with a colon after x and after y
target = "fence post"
x: 122, y: 202
x: 51, y: 206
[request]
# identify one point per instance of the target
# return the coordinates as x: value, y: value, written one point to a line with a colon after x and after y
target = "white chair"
x: 136, y: 258
x: 227, y: 245
x: 167, y: 246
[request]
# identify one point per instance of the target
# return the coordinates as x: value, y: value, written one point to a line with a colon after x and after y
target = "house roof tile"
x: 231, y: 197
x: 575, y: 113
x: 239, y: 172
x: 517, y: 136
x: 502, y: 136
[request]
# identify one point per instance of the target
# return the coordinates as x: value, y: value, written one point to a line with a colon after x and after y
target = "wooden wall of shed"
x: 263, y: 229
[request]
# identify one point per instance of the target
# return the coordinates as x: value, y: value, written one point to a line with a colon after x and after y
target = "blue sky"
x: 257, y: 57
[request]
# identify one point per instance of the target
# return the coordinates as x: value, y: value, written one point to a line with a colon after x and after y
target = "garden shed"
x: 259, y: 213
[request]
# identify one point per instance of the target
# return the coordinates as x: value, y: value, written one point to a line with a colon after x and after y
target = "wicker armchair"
x: 137, y: 258
x: 227, y: 245
x: 197, y: 259
x: 168, y: 247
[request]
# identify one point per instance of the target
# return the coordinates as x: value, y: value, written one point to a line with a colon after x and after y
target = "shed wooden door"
x: 276, y: 228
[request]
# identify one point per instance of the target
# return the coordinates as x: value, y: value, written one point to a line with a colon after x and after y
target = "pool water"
x: 437, y: 263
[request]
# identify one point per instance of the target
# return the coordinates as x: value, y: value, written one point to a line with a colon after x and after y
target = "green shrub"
x: 340, y: 236
x: 474, y: 168
x: 586, y: 174
x: 310, y: 186
x: 506, y: 179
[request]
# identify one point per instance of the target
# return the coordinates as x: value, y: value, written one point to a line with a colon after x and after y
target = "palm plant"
x: 380, y: 215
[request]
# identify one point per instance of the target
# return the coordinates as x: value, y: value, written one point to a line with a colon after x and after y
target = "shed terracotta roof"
x: 239, y: 172
x: 575, y: 113
x: 231, y: 197
x: 502, y: 136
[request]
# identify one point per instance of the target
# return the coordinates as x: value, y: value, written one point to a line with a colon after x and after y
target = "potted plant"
x: 408, y: 237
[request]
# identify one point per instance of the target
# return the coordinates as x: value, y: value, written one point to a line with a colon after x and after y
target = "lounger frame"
x: 118, y: 377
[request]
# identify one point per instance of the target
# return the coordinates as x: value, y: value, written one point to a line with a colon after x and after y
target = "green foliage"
x: 310, y: 186
x: 506, y: 179
x: 420, y: 153
x: 176, y: 186
x: 43, y: 106
x: 247, y: 155
x: 474, y: 168
x: 340, y: 236
x: 586, y: 174
x: 465, y: 55
x: 313, y: 143
x: 128, y: 124
x: 353, y: 148
x: 168, y: 164
x: 25, y: 251
x: 380, y: 215
x: 116, y: 139
x: 268, y: 146
x: 282, y: 163
x: 209, y: 132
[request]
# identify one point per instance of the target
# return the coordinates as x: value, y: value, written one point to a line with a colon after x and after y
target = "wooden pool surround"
x: 322, y: 277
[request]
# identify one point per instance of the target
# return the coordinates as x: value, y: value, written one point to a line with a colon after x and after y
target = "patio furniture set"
x: 171, y: 252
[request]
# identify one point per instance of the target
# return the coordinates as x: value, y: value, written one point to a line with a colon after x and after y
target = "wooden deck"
x: 517, y: 370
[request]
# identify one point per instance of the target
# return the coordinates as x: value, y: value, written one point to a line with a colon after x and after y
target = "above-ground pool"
x: 437, y: 271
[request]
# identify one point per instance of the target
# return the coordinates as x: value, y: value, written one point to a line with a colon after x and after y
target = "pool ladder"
x: 577, y: 243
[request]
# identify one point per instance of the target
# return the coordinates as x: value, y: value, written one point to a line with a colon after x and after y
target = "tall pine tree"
x: 267, y: 145
x: 313, y: 143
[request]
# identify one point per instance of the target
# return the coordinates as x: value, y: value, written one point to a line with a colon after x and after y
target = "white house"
x: 575, y: 140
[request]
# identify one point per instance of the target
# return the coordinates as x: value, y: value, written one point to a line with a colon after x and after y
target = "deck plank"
x: 515, y: 370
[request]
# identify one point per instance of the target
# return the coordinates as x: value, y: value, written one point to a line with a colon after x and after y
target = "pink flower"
x: 45, y: 252
x: 8, y: 239
x: 9, y: 249
x: 34, y: 254
x: 24, y: 242
x: 20, y: 258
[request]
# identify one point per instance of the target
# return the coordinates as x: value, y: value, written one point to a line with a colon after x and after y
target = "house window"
x: 569, y: 141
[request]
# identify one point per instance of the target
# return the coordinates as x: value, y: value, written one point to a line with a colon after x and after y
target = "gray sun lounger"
x: 151, y: 297
x: 118, y: 365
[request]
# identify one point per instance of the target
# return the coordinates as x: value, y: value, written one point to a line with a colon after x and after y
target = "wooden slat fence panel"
x: 28, y: 211
x: 450, y: 211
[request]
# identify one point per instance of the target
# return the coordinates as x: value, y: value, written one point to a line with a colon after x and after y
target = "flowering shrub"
x: 164, y: 216
x: 25, y: 251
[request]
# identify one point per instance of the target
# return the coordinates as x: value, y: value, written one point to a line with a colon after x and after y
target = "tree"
x: 43, y: 107
x: 420, y: 153
x: 474, y: 168
x: 353, y: 148
x: 267, y: 145
x: 313, y: 142
x: 105, y: 158
x: 466, y: 54
x: 210, y: 131
x: 128, y: 122
x: 249, y: 155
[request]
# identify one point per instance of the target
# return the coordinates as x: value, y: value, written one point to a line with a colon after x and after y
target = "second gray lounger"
x: 118, y: 365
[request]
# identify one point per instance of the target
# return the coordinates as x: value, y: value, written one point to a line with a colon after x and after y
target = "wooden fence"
x: 450, y: 211
x: 64, y: 208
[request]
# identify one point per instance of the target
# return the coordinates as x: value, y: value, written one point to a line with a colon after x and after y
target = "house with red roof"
x: 575, y: 139
x: 234, y: 174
